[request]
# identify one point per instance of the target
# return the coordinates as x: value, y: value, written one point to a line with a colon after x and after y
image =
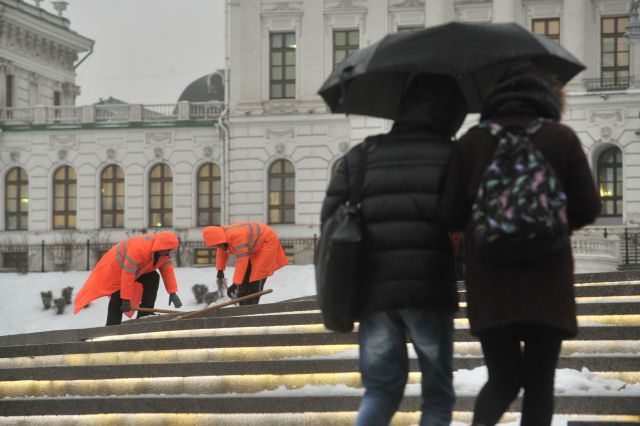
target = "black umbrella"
x: 371, y: 81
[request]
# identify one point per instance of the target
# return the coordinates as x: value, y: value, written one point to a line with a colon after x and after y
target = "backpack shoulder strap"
x: 536, y: 124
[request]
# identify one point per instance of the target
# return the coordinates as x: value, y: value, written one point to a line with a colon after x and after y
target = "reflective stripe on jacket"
x: 252, y: 242
x: 119, y: 268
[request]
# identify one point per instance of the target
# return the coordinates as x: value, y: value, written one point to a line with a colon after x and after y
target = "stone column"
x: 311, y: 63
x: 438, y: 12
x: 377, y: 21
x: 573, y: 33
x: 507, y: 11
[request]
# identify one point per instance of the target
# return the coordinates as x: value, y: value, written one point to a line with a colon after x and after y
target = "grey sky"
x: 146, y: 51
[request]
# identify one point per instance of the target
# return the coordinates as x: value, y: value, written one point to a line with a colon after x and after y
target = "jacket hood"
x: 164, y: 241
x: 214, y: 235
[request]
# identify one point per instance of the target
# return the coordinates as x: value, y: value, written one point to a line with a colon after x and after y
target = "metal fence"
x: 46, y: 257
x: 629, y: 243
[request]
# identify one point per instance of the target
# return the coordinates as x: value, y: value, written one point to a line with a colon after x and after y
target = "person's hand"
x: 232, y: 291
x: 173, y: 297
x: 220, y: 274
x: 125, y: 306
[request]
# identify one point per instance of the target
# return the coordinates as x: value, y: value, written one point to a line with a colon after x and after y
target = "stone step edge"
x: 272, y: 367
x: 602, y: 405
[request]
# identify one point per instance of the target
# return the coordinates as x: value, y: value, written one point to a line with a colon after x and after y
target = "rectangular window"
x: 10, y: 83
x: 205, y: 256
x: 548, y: 27
x: 57, y: 100
x: 282, y: 64
x: 344, y: 42
x: 410, y: 28
x: 289, y: 251
x: 614, y: 53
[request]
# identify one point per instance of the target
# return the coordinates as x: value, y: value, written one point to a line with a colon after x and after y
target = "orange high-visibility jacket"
x: 251, y: 242
x: 123, y: 263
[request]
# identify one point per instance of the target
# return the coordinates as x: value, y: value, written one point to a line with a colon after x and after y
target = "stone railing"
x: 111, y: 114
x: 613, y: 84
x: 595, y: 253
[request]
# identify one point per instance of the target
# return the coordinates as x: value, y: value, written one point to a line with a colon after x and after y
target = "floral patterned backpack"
x: 520, y: 211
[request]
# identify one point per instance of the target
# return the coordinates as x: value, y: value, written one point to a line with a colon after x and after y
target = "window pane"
x: 288, y: 167
x: 554, y: 27
x: 154, y: 202
x: 12, y: 207
x: 275, y: 184
x: 608, y: 44
x: 338, y: 56
x: 216, y: 171
x: 155, y: 188
x: 58, y: 204
x: 58, y: 221
x: 290, y: 40
x: 106, y: 190
x: 120, y: 189
x: 72, y: 190
x: 168, y: 201
x: 622, y: 24
x: 107, y: 221
x: 354, y: 37
x: 12, y: 191
x: 276, y: 73
x: 289, y: 184
x: 276, y: 58
x: 154, y: 220
x: 274, y: 216
x: 289, y: 198
x: 156, y: 171
x: 119, y: 173
x: 204, y: 171
x: 12, y: 223
x: 276, y: 40
x: 216, y: 186
x: 274, y: 198
x: 71, y: 221
x: 107, y: 203
x: 72, y: 204
x: 203, y: 201
x: 622, y: 44
x: 119, y: 203
x: 276, y: 91
x: 608, y: 25
x: 108, y: 173
x: 290, y: 58
x: 203, y: 219
x: 168, y: 220
x: 608, y: 60
x: 623, y: 59
x: 289, y: 216
x: 119, y: 221
x: 290, y: 91
x: 24, y: 191
x: 339, y: 38
x: 276, y: 167
x: 290, y: 73
x: 203, y: 187
x: 217, y: 201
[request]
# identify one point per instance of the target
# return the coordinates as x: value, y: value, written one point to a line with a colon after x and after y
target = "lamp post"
x: 633, y: 29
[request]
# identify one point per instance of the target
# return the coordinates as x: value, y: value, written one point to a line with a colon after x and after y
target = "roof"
x: 209, y: 87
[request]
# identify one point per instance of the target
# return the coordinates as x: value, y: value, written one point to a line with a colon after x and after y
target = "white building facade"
x: 269, y: 153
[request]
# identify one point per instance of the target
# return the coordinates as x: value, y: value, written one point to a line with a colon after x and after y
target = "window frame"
x: 281, y: 207
x: 164, y: 211
x: 282, y: 52
x: 22, y: 216
x: 546, y: 22
x: 617, y: 167
x: 211, y: 210
x: 618, y: 36
x: 347, y: 48
x: 113, y: 212
x: 67, y: 213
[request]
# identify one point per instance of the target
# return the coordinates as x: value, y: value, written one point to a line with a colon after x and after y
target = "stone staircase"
x: 275, y: 364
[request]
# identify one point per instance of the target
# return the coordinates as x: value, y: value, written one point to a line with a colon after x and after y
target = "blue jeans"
x: 384, y: 364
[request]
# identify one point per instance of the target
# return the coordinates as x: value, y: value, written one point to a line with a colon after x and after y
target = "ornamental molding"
x: 601, y: 117
x: 474, y: 12
x: 345, y: 5
x: 406, y: 4
x: 35, y: 46
x: 111, y: 154
x: 64, y: 141
x: 282, y: 7
x: 288, y: 133
x: 158, y: 138
x: 620, y: 7
x: 280, y: 107
x: 544, y: 10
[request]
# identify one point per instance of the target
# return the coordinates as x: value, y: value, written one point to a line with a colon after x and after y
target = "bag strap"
x: 356, y: 194
x: 496, y: 129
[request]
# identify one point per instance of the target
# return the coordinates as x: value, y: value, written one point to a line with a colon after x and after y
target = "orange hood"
x: 214, y: 235
x: 164, y: 241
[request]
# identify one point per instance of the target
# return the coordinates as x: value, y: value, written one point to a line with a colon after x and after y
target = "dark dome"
x: 207, y: 88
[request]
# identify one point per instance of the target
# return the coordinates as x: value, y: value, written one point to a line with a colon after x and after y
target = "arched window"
x: 16, y: 199
x: 610, y: 181
x: 209, y: 195
x: 112, y: 197
x: 64, y: 198
x: 282, y: 192
x: 160, y: 196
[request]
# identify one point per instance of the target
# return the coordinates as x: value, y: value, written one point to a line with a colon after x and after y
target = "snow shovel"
x: 160, y: 311
x: 221, y: 305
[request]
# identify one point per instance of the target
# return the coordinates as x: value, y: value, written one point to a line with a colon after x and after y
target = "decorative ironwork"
x: 604, y: 84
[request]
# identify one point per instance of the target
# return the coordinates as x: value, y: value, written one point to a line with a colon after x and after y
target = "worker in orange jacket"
x: 127, y: 274
x: 258, y: 255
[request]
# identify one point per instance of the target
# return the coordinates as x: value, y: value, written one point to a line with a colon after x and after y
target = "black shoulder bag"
x: 339, y: 258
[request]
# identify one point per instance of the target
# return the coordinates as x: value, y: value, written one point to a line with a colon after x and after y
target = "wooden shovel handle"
x: 221, y: 305
x: 160, y: 311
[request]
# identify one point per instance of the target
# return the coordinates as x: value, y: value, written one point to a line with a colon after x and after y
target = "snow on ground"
x: 23, y: 312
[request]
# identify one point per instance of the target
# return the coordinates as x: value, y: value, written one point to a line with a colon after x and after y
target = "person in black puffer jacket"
x: 409, y: 277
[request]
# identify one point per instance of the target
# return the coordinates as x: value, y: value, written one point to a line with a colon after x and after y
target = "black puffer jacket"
x: 410, y: 261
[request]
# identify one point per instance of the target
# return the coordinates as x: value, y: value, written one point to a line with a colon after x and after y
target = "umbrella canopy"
x: 371, y: 81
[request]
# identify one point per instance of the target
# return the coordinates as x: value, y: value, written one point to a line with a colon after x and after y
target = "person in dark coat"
x: 532, y: 302
x: 409, y: 277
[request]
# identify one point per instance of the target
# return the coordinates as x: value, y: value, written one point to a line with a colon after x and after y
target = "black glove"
x: 220, y: 274
x: 173, y: 297
x: 125, y: 306
x: 232, y: 291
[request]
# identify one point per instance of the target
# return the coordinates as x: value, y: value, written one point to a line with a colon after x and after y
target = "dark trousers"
x: 511, y: 367
x: 150, y: 282
x: 247, y: 288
